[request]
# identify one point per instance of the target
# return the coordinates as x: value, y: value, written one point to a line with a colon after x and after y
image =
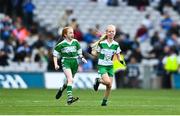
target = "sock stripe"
x: 69, y: 91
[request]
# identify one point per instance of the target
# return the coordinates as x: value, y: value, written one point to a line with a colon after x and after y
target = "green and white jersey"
x: 106, y: 52
x: 67, y: 49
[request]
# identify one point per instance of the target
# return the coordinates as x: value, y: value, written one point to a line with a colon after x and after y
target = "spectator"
x: 172, y: 41
x: 41, y: 55
x: 113, y: 3
x: 140, y: 4
x: 155, y: 38
x: 64, y: 21
x: 147, y: 22
x: 8, y: 49
x: 125, y: 42
x: 164, y: 3
x: 50, y: 41
x: 158, y: 46
x: 32, y: 38
x: 6, y: 33
x: 142, y: 33
x: 3, y: 58
x: 136, y: 53
x: 73, y: 23
x: 166, y: 22
x: 28, y: 13
x: 6, y: 27
x: 133, y: 73
x: 177, y: 6
x: 97, y: 30
x: 20, y: 33
x: 174, y: 29
x: 171, y: 64
x: 23, y: 53
x: 78, y: 33
x: 119, y: 33
x: 40, y: 42
x: 90, y: 36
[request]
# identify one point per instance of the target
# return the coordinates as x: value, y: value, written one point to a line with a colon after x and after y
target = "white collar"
x: 109, y: 44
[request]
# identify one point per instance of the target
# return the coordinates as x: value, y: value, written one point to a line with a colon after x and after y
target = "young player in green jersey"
x: 105, y: 49
x: 69, y: 50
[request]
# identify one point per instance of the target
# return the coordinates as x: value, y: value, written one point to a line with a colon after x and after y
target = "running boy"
x: 69, y: 50
x: 105, y: 49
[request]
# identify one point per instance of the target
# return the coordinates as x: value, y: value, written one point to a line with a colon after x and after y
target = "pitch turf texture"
x: 123, y: 101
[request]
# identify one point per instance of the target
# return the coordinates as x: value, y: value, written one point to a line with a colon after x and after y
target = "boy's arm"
x: 94, y: 52
x: 121, y: 60
x: 55, y: 59
x: 80, y: 53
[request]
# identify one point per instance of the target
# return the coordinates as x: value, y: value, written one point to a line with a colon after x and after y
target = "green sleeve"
x: 78, y: 45
x: 58, y: 47
x: 79, y: 50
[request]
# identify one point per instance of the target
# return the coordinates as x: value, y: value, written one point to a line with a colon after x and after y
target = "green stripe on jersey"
x: 68, y: 49
x: 113, y: 46
x: 106, y: 52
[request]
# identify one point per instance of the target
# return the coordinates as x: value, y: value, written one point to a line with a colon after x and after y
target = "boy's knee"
x: 108, y: 83
x: 70, y: 80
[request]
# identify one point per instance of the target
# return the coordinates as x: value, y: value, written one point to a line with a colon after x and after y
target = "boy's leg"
x: 60, y: 91
x: 100, y: 80
x: 70, y: 98
x: 96, y: 84
x: 69, y: 90
x: 108, y: 80
x: 101, y: 71
x: 70, y: 74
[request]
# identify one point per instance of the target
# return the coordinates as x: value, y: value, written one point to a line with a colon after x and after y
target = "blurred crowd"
x: 142, y: 4
x: 23, y: 40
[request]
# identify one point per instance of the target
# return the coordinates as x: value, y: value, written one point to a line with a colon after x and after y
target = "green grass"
x: 123, y: 101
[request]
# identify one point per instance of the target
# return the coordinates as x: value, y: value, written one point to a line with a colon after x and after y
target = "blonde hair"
x: 103, y: 37
x: 111, y: 26
x: 95, y: 44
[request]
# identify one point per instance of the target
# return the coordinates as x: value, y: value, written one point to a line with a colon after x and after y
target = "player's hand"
x: 84, y: 60
x: 56, y: 67
x: 122, y: 62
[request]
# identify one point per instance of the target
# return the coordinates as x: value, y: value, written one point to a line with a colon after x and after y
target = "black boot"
x: 60, y: 91
x: 96, y: 84
x: 71, y: 100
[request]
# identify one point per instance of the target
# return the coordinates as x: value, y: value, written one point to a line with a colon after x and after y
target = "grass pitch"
x: 123, y: 101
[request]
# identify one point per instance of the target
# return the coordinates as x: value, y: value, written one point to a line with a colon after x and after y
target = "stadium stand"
x: 143, y: 32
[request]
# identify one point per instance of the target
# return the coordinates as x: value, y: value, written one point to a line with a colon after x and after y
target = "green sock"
x: 69, y: 90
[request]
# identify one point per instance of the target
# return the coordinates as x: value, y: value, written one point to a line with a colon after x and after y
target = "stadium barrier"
x: 21, y: 80
x: 176, y: 81
x: 81, y: 80
x: 49, y: 80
